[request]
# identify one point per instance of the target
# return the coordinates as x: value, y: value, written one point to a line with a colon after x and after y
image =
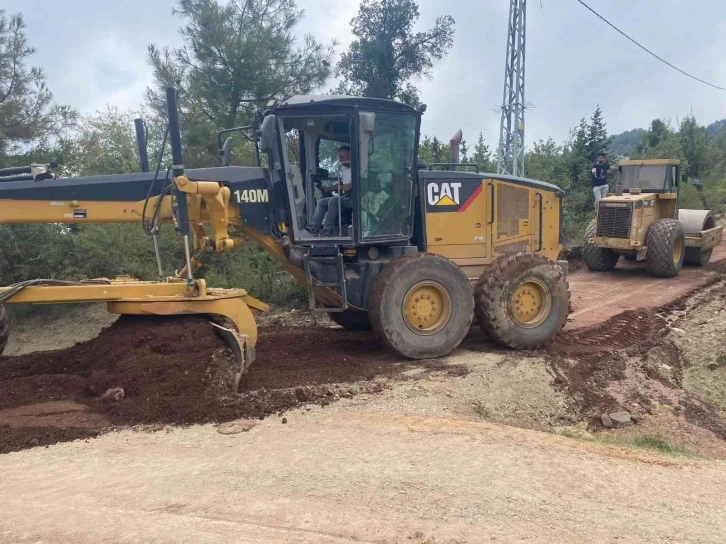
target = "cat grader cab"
x: 438, y: 246
x: 641, y: 221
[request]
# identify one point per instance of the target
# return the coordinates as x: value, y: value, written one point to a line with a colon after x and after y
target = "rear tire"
x: 696, y: 257
x: 352, y: 320
x: 4, y: 328
x: 522, y: 301
x: 597, y: 259
x: 666, y: 243
x: 421, y: 306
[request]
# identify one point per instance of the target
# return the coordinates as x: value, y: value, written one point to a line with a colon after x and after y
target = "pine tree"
x: 579, y: 145
x: 27, y: 115
x: 694, y: 145
x: 464, y: 149
x: 235, y: 57
x: 597, y: 134
x: 578, y: 152
x: 482, y: 155
x: 386, y: 56
x: 440, y: 151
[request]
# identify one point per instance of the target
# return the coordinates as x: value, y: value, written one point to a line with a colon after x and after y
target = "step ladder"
x: 326, y: 255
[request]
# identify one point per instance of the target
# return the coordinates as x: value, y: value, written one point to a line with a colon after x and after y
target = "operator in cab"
x: 326, y: 212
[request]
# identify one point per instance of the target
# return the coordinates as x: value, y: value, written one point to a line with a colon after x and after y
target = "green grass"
x: 652, y: 443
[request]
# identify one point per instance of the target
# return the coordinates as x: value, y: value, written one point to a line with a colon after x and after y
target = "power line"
x: 648, y: 50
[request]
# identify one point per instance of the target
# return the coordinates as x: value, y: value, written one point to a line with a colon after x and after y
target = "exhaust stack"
x: 454, y: 145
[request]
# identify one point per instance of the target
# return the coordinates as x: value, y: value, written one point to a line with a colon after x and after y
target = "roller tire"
x: 597, y: 259
x: 352, y: 320
x: 697, y: 258
x: 4, y: 328
x: 495, y: 290
x: 661, y: 241
x: 389, y: 292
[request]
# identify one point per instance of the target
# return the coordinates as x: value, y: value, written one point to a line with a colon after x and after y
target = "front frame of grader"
x: 118, y: 199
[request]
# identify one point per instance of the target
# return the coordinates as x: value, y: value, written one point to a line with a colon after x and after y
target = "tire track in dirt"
x: 632, y: 329
x: 629, y: 363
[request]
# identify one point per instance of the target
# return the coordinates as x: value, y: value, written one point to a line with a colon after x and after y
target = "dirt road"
x: 598, y: 296
x: 342, y: 476
x: 379, y: 449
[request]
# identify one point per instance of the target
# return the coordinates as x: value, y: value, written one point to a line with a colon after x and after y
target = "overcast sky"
x: 94, y: 53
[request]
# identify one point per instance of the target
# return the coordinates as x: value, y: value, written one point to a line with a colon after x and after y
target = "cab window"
x: 387, y: 176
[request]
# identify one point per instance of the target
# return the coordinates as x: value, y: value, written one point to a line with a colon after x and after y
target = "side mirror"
x: 227, y: 152
x: 267, y: 134
x: 367, y: 122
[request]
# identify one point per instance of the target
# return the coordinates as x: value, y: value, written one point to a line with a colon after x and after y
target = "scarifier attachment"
x: 125, y: 295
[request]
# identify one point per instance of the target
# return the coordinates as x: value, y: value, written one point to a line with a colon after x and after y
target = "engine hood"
x: 628, y: 198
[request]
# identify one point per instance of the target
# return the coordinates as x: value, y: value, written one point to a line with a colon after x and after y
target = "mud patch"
x: 637, y: 361
x: 179, y: 371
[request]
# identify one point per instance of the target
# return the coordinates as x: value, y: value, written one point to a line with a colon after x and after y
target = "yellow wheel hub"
x: 677, y: 250
x: 530, y: 303
x: 427, y: 307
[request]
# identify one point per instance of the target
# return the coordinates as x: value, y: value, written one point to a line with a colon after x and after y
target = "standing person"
x: 599, y: 177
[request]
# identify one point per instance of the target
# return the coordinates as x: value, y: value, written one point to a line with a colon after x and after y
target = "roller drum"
x: 695, y: 221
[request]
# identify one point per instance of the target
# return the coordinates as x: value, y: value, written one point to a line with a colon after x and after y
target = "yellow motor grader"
x: 414, y: 254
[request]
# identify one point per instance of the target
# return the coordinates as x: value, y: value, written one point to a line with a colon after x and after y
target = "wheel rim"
x: 530, y: 303
x: 426, y: 307
x: 677, y: 250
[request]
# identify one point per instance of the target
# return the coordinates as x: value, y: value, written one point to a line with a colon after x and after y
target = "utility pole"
x: 510, y: 157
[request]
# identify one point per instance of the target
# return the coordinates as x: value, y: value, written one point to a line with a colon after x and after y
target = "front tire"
x: 666, y: 244
x: 421, y: 306
x: 522, y: 301
x: 597, y: 259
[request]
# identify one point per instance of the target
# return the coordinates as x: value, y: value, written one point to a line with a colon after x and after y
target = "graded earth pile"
x: 178, y: 370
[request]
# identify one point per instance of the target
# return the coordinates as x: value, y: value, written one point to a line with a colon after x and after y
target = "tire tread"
x: 377, y: 302
x: 659, y: 241
x: 494, y: 323
x: 597, y: 259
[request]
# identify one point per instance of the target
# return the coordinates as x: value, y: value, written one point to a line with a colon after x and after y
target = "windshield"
x: 387, y: 176
x: 645, y: 177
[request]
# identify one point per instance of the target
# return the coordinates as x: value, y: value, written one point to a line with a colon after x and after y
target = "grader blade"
x: 230, y: 304
x: 234, y: 308
x: 243, y: 351
x: 126, y: 295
